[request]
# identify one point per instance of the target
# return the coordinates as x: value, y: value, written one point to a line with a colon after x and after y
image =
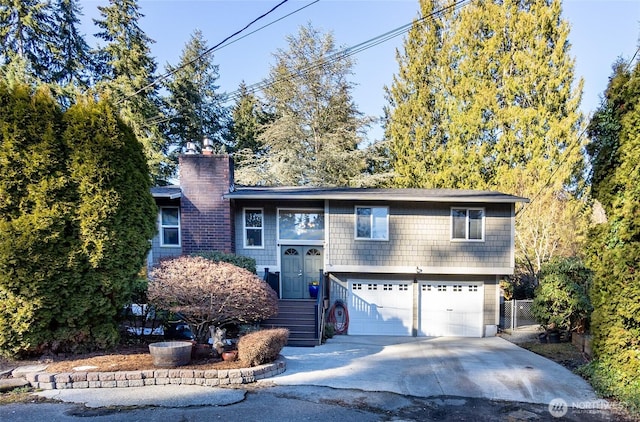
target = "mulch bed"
x: 124, y: 358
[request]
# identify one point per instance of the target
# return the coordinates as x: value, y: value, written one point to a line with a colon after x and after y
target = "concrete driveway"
x: 490, y: 368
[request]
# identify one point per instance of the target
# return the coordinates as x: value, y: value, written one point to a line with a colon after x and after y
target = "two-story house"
x: 414, y: 262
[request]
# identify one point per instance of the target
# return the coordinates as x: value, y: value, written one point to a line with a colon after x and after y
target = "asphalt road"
x: 307, y: 403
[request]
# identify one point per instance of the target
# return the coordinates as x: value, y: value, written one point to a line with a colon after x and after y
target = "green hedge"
x: 245, y: 262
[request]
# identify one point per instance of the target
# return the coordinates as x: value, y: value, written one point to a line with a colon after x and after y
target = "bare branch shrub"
x: 262, y: 346
x: 208, y: 293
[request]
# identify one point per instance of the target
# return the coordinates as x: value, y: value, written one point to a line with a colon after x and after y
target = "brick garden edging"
x: 209, y: 378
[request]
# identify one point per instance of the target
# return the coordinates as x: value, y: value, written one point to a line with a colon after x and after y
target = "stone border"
x: 209, y: 378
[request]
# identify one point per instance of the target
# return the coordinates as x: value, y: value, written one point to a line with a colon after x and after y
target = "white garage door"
x: 451, y: 309
x: 380, y: 308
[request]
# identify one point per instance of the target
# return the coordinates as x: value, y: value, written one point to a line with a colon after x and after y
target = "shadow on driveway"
x: 490, y: 368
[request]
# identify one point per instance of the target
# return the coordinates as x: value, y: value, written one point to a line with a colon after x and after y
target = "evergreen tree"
x: 248, y: 119
x: 34, y: 218
x: 614, y: 241
x: 127, y: 79
x: 484, y: 99
x: 316, y: 128
x: 71, y: 63
x: 193, y: 106
x: 114, y: 217
x: 26, y: 41
x: 76, y: 216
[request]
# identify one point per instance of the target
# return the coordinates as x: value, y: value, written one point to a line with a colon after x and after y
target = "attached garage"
x: 452, y: 309
x: 380, y: 307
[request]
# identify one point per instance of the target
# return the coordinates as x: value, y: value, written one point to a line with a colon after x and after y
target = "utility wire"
x: 342, y: 54
x: 166, y: 75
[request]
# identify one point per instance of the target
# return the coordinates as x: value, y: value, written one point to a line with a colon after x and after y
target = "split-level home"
x: 403, y: 262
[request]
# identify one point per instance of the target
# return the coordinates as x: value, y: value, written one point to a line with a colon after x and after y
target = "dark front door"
x: 300, y: 266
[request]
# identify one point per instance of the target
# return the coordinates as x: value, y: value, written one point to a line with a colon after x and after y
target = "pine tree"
x: 127, y: 79
x: 316, y: 128
x: 484, y: 99
x: 414, y: 122
x: 614, y: 241
x: 193, y: 106
x: 26, y: 42
x: 248, y: 119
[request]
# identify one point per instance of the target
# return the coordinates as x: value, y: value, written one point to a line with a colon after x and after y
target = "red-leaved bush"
x: 209, y: 293
x: 262, y: 346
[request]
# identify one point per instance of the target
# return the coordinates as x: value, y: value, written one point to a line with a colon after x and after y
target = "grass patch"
x: 21, y: 395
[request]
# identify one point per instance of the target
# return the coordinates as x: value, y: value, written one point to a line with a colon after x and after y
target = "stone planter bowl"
x: 169, y: 354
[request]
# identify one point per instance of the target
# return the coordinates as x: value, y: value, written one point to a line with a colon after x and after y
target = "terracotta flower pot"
x: 230, y: 356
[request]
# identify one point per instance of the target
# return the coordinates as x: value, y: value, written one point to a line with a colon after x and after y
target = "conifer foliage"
x: 614, y: 241
x: 76, y: 217
x: 193, y: 105
x: 484, y: 98
x: 314, y: 130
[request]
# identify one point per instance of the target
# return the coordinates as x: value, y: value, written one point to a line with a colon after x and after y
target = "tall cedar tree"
x: 26, y: 40
x: 484, y: 100
x: 316, y: 128
x: 76, y: 217
x: 193, y: 106
x: 35, y: 221
x: 614, y: 241
x: 115, y: 215
x: 127, y: 76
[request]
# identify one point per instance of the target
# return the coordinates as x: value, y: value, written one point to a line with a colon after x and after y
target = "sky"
x: 601, y: 32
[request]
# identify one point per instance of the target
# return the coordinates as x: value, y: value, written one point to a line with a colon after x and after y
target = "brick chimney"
x: 206, y: 218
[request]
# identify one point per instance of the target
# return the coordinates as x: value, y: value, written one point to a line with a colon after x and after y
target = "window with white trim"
x: 467, y: 224
x: 169, y: 226
x: 253, y: 228
x: 372, y: 223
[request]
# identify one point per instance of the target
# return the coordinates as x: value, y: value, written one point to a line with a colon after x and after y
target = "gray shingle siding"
x: 420, y: 235
x: 268, y: 255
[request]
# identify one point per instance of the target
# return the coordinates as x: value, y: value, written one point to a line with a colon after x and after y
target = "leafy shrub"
x: 245, y: 262
x: 329, y: 331
x: 209, y: 293
x: 561, y: 299
x: 262, y: 346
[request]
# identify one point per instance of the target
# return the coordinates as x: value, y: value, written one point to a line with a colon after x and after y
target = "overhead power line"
x: 201, y: 56
x: 344, y: 53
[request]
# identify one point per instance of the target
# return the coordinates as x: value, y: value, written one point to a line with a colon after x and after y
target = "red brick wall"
x: 206, y: 218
